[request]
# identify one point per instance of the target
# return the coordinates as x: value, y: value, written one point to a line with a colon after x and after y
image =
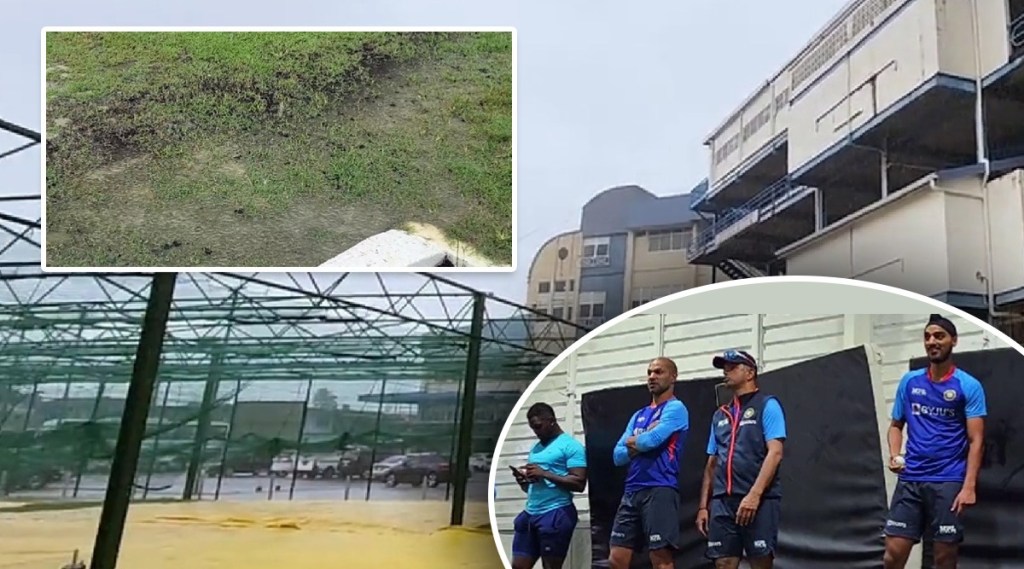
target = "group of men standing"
x: 739, y: 510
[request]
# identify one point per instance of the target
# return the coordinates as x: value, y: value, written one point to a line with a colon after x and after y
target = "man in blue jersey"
x: 651, y: 445
x: 740, y: 499
x: 557, y: 467
x: 943, y: 409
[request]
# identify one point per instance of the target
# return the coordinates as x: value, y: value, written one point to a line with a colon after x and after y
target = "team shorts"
x: 649, y: 514
x: 919, y: 507
x: 544, y: 535
x: 726, y: 538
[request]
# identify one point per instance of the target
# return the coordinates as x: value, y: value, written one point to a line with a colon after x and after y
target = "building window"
x: 670, y: 240
x: 641, y: 296
x: 572, y: 284
x: 559, y: 286
x: 592, y: 310
x: 595, y: 252
x: 557, y: 312
x: 591, y: 307
x: 568, y: 313
x: 544, y: 287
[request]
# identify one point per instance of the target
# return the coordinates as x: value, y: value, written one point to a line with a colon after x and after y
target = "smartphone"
x: 515, y: 471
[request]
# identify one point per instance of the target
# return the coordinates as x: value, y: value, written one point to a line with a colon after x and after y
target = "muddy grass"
x: 193, y: 149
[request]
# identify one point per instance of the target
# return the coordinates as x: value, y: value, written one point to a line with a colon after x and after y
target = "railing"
x: 698, y: 193
x: 595, y: 261
x: 766, y: 201
x: 1015, y: 35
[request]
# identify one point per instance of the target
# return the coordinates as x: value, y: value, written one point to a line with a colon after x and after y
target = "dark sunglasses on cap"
x: 734, y: 357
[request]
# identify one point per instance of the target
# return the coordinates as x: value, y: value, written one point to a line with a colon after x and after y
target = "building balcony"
x: 698, y: 195
x: 779, y: 215
x: 762, y: 166
x: 595, y: 261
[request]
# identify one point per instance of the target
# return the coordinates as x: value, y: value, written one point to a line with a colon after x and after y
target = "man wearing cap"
x: 651, y: 445
x: 943, y: 409
x: 740, y: 499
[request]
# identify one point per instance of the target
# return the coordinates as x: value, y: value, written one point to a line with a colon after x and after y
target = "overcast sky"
x: 609, y: 92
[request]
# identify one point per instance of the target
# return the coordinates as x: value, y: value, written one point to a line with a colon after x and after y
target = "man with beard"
x: 651, y: 445
x: 740, y: 499
x: 556, y: 468
x: 943, y: 409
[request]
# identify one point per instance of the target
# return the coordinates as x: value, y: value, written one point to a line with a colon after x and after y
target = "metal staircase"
x: 737, y: 269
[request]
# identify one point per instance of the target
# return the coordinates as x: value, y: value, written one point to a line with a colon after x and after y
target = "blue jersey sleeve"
x: 575, y: 455
x: 974, y: 395
x: 674, y: 419
x: 712, y: 444
x: 621, y: 453
x: 900, y: 401
x: 774, y: 421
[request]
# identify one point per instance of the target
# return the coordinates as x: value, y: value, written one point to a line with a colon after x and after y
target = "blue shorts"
x: 726, y: 538
x: 544, y: 535
x: 918, y: 507
x: 647, y: 517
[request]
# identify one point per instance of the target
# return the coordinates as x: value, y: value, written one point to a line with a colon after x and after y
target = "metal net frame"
x: 161, y: 385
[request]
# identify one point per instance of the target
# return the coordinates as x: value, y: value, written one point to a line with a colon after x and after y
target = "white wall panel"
x: 619, y: 357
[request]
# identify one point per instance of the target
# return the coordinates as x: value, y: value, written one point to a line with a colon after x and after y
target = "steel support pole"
x: 465, y: 446
x: 133, y: 424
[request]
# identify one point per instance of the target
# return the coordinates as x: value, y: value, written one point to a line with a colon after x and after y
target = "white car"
x: 480, y: 462
x: 284, y: 465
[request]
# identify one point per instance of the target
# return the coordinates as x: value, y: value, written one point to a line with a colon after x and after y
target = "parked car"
x: 480, y: 462
x: 284, y: 465
x: 240, y: 463
x: 357, y: 462
x: 414, y: 469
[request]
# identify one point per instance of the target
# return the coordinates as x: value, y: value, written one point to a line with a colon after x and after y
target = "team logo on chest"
x: 749, y: 413
x: 949, y: 395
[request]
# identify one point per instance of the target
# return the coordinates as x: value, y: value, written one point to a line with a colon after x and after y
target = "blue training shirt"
x: 773, y: 423
x: 936, y: 413
x: 660, y: 447
x: 558, y: 456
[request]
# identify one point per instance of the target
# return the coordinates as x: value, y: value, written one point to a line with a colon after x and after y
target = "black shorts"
x: 726, y: 538
x: 919, y: 507
x: 648, y: 513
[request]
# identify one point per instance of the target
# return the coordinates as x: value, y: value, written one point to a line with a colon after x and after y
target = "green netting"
x: 343, y: 371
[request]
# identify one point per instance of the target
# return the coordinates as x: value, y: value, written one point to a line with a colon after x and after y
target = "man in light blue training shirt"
x: 557, y: 467
x: 943, y: 409
x: 651, y: 445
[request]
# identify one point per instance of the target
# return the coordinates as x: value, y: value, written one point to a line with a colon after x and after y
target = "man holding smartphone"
x: 556, y: 468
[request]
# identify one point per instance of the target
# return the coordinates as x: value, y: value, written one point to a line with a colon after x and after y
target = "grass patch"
x: 273, y: 149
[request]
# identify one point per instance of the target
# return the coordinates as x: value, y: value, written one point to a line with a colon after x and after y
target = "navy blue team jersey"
x: 936, y: 413
x: 657, y: 465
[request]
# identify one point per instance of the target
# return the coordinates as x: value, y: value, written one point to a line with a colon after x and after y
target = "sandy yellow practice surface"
x: 258, y: 535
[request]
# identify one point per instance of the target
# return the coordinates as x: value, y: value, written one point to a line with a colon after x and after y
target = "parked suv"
x: 357, y: 462
x: 413, y: 469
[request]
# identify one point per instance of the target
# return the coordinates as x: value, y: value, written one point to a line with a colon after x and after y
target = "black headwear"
x: 942, y: 322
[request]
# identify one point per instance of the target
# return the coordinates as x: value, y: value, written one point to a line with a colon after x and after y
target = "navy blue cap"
x: 734, y: 357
